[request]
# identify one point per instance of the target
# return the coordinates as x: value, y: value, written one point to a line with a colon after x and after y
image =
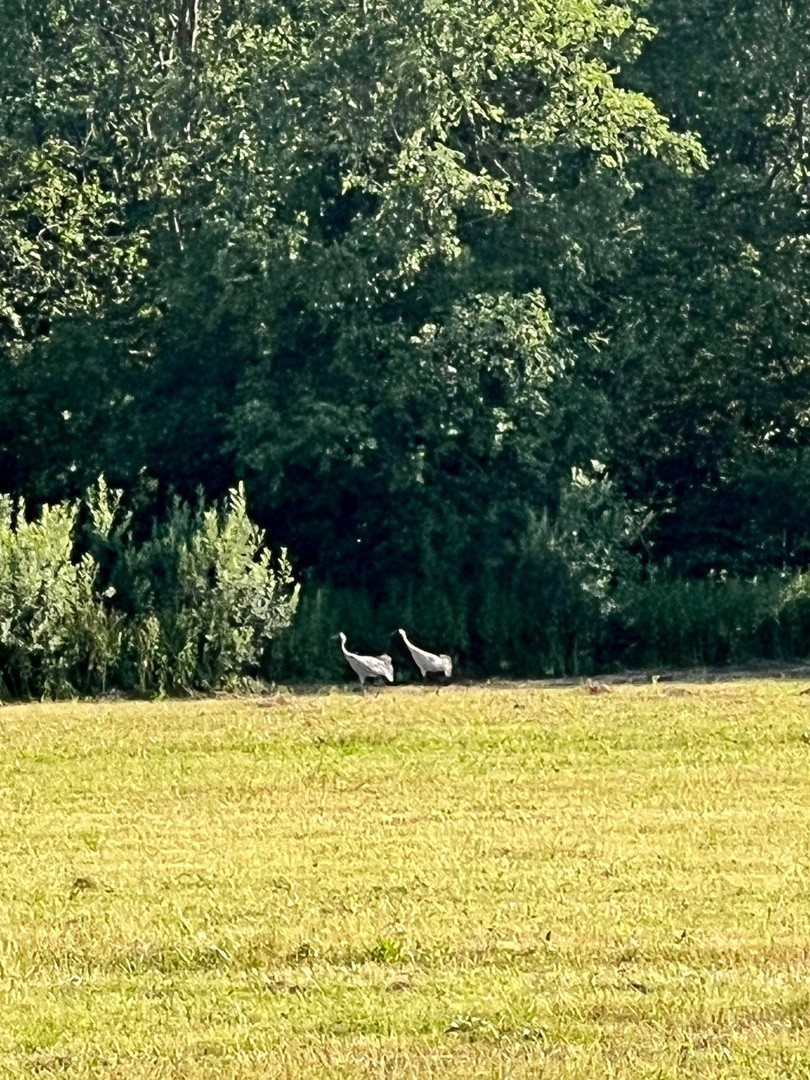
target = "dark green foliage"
x: 670, y: 621
x: 707, y: 354
x: 542, y: 624
x: 408, y: 268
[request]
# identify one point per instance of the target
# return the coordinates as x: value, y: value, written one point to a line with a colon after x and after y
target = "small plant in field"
x: 474, y: 1028
x: 389, y: 950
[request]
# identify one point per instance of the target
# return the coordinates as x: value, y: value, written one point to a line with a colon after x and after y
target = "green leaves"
x: 54, y: 631
x: 706, y: 323
x: 337, y: 141
x: 57, y: 255
x: 192, y: 607
x: 209, y: 598
x: 394, y: 262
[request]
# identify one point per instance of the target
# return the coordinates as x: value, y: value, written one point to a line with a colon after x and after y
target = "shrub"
x: 208, y: 596
x: 55, y: 635
x: 191, y: 607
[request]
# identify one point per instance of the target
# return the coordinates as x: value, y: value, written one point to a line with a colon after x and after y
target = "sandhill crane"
x: 367, y: 667
x: 427, y: 662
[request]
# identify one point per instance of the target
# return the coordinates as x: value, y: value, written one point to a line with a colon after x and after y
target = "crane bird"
x: 367, y: 667
x: 427, y: 662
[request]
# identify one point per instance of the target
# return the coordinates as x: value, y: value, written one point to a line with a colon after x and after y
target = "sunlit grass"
x: 490, y: 882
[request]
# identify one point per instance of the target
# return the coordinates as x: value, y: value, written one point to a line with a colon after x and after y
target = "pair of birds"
x: 382, y: 667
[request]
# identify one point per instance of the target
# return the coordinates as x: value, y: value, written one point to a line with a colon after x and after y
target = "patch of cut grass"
x: 479, y: 883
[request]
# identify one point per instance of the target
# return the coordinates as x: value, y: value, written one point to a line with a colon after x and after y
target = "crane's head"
x: 401, y: 631
x: 342, y: 637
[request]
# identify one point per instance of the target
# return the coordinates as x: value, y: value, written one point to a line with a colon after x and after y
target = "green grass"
x: 475, y: 883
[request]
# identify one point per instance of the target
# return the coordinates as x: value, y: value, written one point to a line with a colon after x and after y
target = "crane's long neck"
x: 343, y: 648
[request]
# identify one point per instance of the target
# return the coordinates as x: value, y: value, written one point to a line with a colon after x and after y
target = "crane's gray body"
x: 368, y: 667
x: 429, y: 663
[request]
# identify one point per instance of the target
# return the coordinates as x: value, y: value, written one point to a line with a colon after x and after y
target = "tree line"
x: 498, y: 307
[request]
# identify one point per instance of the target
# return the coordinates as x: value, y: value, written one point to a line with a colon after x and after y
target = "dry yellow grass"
x: 475, y: 883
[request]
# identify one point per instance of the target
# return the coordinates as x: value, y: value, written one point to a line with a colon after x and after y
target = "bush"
x: 679, y: 622
x: 192, y: 607
x: 201, y: 604
x: 55, y: 634
x: 208, y: 598
x: 534, y: 619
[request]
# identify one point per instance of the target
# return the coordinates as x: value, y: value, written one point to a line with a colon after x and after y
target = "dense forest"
x: 498, y: 308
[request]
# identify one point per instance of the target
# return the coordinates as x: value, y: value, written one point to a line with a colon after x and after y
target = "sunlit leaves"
x: 345, y: 136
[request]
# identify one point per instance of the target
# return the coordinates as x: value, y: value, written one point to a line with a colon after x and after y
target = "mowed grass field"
x: 471, y: 883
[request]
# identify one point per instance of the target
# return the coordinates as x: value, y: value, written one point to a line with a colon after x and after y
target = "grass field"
x: 474, y: 883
